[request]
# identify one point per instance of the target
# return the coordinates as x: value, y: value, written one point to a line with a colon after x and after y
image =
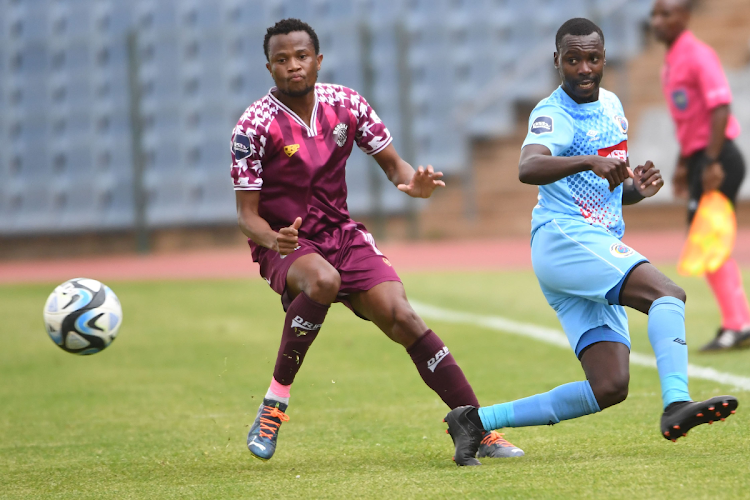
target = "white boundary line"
x: 557, y: 337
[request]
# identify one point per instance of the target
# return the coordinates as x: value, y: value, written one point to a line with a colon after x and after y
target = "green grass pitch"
x: 164, y: 412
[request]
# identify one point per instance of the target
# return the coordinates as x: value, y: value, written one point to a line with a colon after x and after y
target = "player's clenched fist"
x: 287, y: 238
x: 613, y: 170
x: 647, y: 179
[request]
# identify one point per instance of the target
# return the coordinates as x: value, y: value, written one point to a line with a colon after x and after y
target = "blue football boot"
x: 261, y: 440
x: 494, y: 445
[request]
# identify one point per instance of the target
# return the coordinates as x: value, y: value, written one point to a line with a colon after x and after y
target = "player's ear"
x: 319, y: 57
x: 605, y: 57
x: 268, y: 67
x: 557, y: 64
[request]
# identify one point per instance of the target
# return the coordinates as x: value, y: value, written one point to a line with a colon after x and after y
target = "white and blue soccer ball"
x: 82, y: 316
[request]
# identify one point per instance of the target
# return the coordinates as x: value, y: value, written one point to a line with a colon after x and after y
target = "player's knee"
x: 612, y: 391
x: 407, y: 325
x: 677, y: 292
x: 672, y: 289
x: 404, y: 316
x: 324, y: 285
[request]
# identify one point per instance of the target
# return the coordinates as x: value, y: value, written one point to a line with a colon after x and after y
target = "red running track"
x: 473, y: 255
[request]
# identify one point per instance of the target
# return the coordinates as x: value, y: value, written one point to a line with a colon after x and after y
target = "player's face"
x: 580, y: 63
x: 293, y: 63
x: 668, y: 19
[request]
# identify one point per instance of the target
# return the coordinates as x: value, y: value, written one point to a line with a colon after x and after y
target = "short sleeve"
x: 247, y: 148
x: 712, y: 81
x: 552, y: 127
x: 371, y: 136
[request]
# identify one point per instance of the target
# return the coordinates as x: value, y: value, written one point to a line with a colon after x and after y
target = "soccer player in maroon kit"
x: 699, y: 97
x: 289, y: 152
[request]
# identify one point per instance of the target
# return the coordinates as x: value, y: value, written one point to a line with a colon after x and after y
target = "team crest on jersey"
x: 621, y: 250
x: 241, y: 146
x: 340, y: 133
x: 291, y: 149
x: 542, y: 125
x: 622, y: 123
x: 680, y: 100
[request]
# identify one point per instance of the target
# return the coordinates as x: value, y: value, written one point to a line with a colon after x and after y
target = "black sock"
x: 473, y: 416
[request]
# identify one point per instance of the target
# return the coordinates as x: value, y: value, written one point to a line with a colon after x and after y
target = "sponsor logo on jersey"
x: 593, y: 135
x: 679, y: 341
x: 617, y: 151
x: 241, y: 146
x: 622, y: 123
x: 680, y: 99
x: 387, y: 262
x: 291, y: 149
x: 303, y: 327
x: 542, y: 125
x: 435, y: 360
x: 621, y: 250
x: 339, y: 134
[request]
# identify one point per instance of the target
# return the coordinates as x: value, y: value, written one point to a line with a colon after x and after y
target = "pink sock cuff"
x: 280, y: 390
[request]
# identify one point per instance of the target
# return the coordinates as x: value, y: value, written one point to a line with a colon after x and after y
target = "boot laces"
x: 497, y: 438
x: 268, y: 426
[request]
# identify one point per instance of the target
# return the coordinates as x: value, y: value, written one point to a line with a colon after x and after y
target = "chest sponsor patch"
x: 542, y: 125
x: 622, y: 123
x: 291, y: 149
x: 621, y: 250
x: 617, y: 151
x: 340, y: 133
x: 241, y: 146
x: 680, y: 100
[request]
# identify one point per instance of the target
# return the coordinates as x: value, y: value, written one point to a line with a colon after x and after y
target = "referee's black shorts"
x: 734, y: 172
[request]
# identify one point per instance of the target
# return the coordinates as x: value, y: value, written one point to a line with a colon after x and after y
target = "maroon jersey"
x: 300, y: 171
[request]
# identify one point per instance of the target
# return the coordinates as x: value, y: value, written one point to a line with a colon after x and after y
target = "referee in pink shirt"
x: 698, y: 94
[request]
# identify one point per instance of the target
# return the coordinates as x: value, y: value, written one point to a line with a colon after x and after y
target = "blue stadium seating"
x: 65, y: 137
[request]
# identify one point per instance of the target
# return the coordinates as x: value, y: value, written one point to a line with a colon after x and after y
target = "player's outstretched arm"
x: 647, y: 181
x: 257, y: 229
x: 538, y: 167
x: 417, y: 184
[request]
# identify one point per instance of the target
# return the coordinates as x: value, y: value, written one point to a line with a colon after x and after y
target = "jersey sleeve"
x: 371, y: 135
x: 248, y: 150
x: 552, y: 127
x: 712, y: 81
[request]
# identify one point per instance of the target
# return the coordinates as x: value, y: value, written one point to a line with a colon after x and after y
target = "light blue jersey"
x: 576, y: 251
x: 571, y: 129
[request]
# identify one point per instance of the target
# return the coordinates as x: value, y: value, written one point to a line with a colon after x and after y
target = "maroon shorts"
x: 350, y: 249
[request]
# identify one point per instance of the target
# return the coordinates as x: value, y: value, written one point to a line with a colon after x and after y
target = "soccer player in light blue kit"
x: 576, y: 152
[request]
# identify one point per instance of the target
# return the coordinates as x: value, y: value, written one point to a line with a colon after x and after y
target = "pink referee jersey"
x: 300, y: 171
x: 694, y: 83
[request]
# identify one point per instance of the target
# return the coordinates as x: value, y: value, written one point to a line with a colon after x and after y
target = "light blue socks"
x: 561, y: 403
x: 666, y: 332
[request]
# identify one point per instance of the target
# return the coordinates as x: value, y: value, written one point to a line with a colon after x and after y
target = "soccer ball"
x: 82, y: 316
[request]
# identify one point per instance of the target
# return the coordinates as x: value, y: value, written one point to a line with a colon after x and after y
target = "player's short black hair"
x: 578, y: 26
x: 287, y: 26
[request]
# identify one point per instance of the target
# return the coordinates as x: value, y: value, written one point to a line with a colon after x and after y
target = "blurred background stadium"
x: 116, y: 114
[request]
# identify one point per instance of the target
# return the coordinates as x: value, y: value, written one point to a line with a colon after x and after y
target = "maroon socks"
x: 304, y: 318
x: 440, y: 372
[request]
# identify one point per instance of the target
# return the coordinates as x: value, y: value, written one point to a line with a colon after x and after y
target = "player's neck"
x: 302, y: 106
x: 582, y: 100
x: 671, y: 42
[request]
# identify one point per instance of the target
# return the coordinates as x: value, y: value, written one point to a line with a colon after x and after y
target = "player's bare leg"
x: 313, y: 284
x: 648, y: 290
x: 606, y: 365
x: 387, y: 307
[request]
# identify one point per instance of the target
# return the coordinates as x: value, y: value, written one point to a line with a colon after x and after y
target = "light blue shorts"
x: 581, y: 269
